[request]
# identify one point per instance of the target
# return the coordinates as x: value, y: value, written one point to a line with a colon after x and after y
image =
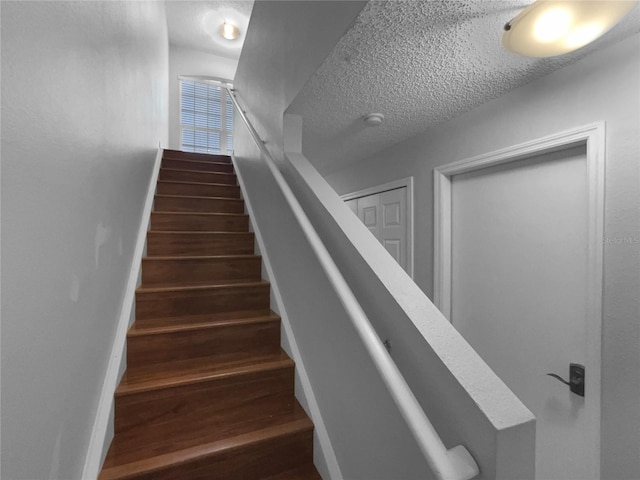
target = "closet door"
x: 385, y: 215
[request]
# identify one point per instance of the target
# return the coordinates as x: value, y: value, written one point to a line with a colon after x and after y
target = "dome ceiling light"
x: 229, y: 31
x: 548, y: 28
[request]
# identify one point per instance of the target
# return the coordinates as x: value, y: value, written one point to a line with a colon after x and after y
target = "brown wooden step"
x: 196, y: 176
x: 225, y: 340
x: 209, y: 222
x: 197, y: 189
x: 235, y: 300
x: 199, y: 243
x: 250, y: 442
x: 145, y: 392
x: 306, y: 472
x: 198, y: 165
x: 204, y: 157
x: 179, y: 203
x: 194, y: 270
x: 140, y: 379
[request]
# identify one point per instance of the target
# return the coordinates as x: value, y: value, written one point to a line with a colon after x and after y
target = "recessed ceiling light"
x: 229, y: 31
x: 554, y: 27
x: 373, y: 119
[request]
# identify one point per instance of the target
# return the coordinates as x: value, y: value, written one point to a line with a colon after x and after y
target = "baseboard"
x: 327, y: 452
x: 101, y: 433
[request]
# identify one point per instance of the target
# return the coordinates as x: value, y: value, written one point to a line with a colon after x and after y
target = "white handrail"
x: 453, y: 464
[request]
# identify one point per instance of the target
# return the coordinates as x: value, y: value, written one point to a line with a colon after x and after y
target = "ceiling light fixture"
x: 229, y: 31
x: 373, y: 119
x: 554, y: 27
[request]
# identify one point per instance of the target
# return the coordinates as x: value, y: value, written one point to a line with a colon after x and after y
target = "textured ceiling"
x: 419, y: 63
x: 190, y: 22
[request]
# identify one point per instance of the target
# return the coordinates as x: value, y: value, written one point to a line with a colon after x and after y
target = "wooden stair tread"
x: 178, y: 437
x: 191, y: 160
x: 203, y: 318
x: 192, y: 270
x: 185, y: 182
x: 215, y: 202
x: 196, y: 176
x: 197, y: 232
x: 195, y: 243
x: 306, y: 472
x: 200, y: 197
x: 181, y: 288
x: 199, y: 172
x: 195, y: 370
x: 197, y: 257
x: 204, y: 283
x: 186, y: 325
x: 212, y: 214
x: 179, y: 154
x: 197, y: 186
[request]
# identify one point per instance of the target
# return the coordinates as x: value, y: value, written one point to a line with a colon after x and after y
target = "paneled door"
x: 385, y: 215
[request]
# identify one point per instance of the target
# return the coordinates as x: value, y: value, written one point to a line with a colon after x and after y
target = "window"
x: 206, y: 118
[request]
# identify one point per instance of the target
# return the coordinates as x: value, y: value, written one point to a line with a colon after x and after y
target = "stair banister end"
x: 463, y: 463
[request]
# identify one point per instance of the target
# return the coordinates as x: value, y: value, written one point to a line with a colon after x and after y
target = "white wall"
x: 602, y: 86
x: 467, y: 403
x: 184, y: 61
x: 84, y: 105
x: 284, y: 46
x: 367, y: 433
x: 286, y: 43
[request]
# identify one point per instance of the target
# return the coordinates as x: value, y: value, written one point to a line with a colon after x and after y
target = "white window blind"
x: 206, y: 118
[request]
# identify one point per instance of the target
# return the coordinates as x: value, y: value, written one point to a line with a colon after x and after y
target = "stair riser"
x: 196, y: 156
x: 201, y: 177
x: 215, y: 270
x: 224, y: 393
x: 159, y: 243
x: 209, y: 205
x: 198, y: 190
x: 199, y: 222
x: 226, y: 343
x: 180, y: 164
x: 250, y: 462
x: 239, y: 300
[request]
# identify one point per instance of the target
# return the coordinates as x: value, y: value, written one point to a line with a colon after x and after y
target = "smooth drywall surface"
x: 600, y: 87
x: 286, y: 43
x: 369, y: 437
x: 192, y: 63
x: 84, y: 105
x: 467, y: 403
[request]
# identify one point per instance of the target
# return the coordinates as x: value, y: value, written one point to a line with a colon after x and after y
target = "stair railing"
x: 446, y: 464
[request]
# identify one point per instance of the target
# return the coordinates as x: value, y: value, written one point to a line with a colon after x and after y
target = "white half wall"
x: 466, y: 402
x: 84, y: 106
x: 367, y: 433
x: 192, y: 63
x: 600, y: 87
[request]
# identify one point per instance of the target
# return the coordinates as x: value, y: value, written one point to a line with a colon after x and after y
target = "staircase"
x: 208, y: 392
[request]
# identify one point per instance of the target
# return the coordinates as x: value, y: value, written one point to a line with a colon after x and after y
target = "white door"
x: 385, y: 215
x: 519, y: 256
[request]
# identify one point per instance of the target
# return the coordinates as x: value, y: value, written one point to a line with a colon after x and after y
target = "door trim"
x: 402, y: 183
x: 593, y: 136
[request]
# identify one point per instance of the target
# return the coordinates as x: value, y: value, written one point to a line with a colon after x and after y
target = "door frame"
x: 402, y: 183
x: 593, y: 137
